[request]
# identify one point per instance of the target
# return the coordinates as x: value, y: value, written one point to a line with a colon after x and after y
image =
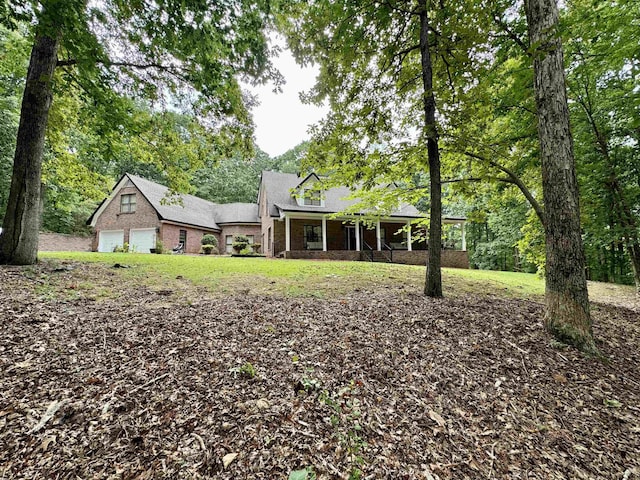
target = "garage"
x: 110, y: 239
x: 141, y: 240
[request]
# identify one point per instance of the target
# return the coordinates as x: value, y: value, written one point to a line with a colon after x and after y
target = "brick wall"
x: 170, y: 235
x: 58, y: 242
x: 239, y: 229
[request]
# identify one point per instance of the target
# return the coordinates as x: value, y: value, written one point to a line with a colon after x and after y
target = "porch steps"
x: 382, y: 257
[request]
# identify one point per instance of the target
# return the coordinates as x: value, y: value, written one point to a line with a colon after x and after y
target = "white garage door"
x: 142, y: 239
x: 110, y: 239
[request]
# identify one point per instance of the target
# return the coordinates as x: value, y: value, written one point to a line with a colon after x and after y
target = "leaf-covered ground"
x: 125, y: 381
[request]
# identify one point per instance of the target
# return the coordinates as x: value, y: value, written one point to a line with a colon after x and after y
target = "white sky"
x: 281, y: 119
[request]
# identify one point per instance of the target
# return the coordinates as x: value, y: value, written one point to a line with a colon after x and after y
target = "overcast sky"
x: 281, y: 119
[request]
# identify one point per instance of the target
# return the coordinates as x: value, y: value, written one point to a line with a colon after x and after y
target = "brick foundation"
x: 347, y: 255
x: 450, y: 258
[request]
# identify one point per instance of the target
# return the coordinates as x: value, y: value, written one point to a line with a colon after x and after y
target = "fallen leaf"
x: 228, y: 459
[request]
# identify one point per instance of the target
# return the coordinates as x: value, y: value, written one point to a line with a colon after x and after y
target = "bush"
x: 240, y: 243
x: 121, y: 248
x: 256, y: 247
x: 209, y: 239
x: 209, y: 249
x: 159, y: 246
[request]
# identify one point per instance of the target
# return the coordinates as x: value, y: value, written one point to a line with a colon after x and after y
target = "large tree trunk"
x: 433, y: 284
x: 567, y: 314
x: 19, y: 239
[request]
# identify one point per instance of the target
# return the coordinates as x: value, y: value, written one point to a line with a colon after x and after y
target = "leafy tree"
x: 602, y: 47
x: 383, y: 64
x: 186, y: 52
x: 567, y: 304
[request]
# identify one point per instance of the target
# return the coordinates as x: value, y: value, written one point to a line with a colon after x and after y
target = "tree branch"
x: 515, y: 180
x: 511, y: 34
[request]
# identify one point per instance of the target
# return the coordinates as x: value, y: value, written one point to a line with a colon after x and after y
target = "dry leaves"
x: 399, y: 386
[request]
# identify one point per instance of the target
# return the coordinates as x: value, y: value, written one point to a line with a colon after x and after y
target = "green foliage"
x: 345, y: 419
x: 209, y: 249
x: 246, y: 370
x: 236, y: 179
x: 241, y: 244
x: 159, y: 246
x: 306, y: 474
x: 124, y: 248
x: 209, y: 239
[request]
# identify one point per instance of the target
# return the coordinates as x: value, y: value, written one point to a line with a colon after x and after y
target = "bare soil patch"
x: 141, y: 384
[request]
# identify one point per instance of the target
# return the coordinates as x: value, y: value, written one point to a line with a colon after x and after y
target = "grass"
x: 310, y: 278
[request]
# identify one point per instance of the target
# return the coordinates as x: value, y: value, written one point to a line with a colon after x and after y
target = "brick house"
x: 139, y: 212
x: 298, y: 221
x: 294, y: 218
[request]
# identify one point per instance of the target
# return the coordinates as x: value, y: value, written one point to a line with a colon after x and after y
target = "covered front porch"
x: 391, y: 239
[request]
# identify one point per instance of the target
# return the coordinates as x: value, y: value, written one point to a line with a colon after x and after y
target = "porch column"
x: 324, y: 234
x: 464, y: 237
x: 357, y: 235
x: 287, y: 234
x: 378, y: 239
x: 409, y: 235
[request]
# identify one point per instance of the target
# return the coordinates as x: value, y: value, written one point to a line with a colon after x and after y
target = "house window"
x: 313, y: 237
x: 269, y: 238
x: 228, y: 243
x: 128, y: 203
x: 183, y: 237
x: 312, y: 198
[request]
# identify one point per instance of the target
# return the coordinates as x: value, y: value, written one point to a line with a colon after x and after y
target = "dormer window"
x: 312, y: 198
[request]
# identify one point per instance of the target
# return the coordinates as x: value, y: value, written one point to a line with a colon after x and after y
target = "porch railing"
x: 367, y: 250
x: 389, y: 248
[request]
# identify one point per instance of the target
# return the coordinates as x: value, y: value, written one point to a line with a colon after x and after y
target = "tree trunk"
x: 433, y: 284
x: 19, y: 239
x: 567, y: 314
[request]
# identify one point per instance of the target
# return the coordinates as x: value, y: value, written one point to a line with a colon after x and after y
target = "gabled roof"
x: 278, y: 187
x: 236, y: 213
x: 191, y: 211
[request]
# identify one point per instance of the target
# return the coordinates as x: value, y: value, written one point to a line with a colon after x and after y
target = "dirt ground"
x: 144, y: 383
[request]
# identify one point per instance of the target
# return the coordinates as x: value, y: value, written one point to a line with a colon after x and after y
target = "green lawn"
x: 302, y: 277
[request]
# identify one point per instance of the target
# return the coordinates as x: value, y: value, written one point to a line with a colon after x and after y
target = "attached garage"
x: 110, y: 239
x: 141, y: 240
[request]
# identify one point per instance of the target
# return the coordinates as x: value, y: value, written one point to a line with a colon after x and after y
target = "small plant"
x: 256, y: 247
x: 208, y: 249
x: 124, y: 248
x: 159, y: 246
x: 246, y: 370
x: 240, y: 243
x: 345, y: 418
x: 304, y: 474
x: 209, y: 239
x: 246, y: 251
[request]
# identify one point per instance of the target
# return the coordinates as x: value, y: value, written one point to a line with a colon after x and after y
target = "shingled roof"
x: 236, y: 213
x: 278, y: 187
x: 191, y: 210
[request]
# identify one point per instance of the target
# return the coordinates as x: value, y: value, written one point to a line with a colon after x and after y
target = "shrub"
x: 240, y: 242
x: 159, y: 246
x: 121, y: 248
x: 256, y: 247
x: 209, y: 249
x: 209, y: 239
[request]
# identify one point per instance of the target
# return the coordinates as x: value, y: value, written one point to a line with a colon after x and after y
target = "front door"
x: 350, y: 237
